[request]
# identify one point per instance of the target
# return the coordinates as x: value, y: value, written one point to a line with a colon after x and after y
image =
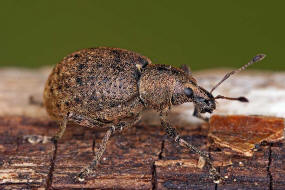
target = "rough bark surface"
x: 140, y: 158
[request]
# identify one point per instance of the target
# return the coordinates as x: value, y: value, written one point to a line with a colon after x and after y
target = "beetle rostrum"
x: 111, y: 87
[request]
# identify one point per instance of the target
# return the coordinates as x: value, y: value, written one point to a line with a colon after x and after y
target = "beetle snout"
x: 206, y: 105
x: 212, y: 104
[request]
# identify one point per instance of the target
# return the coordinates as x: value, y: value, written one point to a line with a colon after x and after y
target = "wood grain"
x: 142, y: 157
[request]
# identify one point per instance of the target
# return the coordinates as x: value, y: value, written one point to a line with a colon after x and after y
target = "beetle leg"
x: 174, y: 134
x: 62, y: 127
x: 197, y: 114
x: 86, y: 171
x: 112, y: 130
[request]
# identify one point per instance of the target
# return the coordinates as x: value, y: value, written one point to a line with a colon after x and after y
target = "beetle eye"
x: 188, y: 92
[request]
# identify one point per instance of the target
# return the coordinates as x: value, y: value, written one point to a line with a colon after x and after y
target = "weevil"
x: 111, y: 87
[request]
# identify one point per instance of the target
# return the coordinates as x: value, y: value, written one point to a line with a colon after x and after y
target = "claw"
x: 215, y: 175
x: 79, y: 178
x: 82, y: 175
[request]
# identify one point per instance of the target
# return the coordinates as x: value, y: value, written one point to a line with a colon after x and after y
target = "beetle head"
x: 189, y: 91
x: 201, y: 98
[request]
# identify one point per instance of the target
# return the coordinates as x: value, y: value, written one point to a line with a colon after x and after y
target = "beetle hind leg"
x: 62, y: 126
x: 85, y: 172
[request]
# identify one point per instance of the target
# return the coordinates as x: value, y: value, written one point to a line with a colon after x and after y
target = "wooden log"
x: 140, y: 158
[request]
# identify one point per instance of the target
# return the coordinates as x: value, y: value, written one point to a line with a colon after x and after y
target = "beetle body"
x: 110, y: 85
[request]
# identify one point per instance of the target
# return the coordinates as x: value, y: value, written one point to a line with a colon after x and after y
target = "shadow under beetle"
x: 111, y: 87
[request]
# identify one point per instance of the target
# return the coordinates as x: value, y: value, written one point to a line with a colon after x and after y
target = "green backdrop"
x: 202, y: 34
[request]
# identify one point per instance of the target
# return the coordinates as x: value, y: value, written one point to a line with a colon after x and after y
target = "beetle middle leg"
x: 174, y: 134
x: 111, y: 131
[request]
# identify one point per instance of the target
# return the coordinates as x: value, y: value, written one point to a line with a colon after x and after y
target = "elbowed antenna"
x: 257, y: 58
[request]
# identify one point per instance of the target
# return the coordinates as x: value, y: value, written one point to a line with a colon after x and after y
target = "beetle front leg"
x: 197, y: 114
x: 174, y: 134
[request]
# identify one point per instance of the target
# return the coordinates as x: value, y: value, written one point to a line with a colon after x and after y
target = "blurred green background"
x: 202, y: 34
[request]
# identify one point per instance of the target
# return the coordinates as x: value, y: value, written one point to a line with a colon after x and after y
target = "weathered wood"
x: 126, y: 164
x: 243, y: 133
x: 140, y: 158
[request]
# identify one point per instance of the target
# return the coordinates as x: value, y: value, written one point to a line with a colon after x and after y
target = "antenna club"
x: 243, y: 99
x: 258, y: 57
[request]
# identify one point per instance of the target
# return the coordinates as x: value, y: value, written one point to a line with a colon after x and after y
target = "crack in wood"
x: 93, y: 145
x: 153, y: 168
x: 268, y: 168
x: 160, y: 155
x: 24, y: 185
x: 154, y: 177
x: 18, y: 142
x: 52, y: 165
